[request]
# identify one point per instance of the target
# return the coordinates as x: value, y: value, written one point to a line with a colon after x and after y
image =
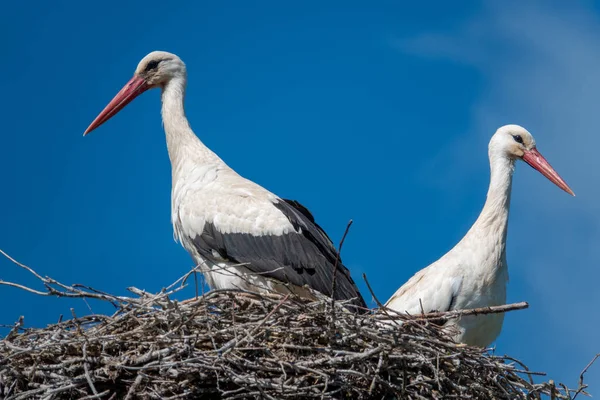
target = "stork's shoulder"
x: 222, y: 182
x: 231, y: 203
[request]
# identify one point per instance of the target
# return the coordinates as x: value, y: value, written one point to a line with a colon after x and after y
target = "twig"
x: 15, y: 329
x: 337, y: 259
x: 22, y: 265
x: 95, y: 396
x: 196, y: 282
x: 381, y: 306
x: 371, y: 291
x: 136, y: 383
x: 446, y: 315
x: 583, y: 386
x: 87, y: 370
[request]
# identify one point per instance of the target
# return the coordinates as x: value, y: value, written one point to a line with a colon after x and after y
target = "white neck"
x: 495, y: 210
x: 182, y: 143
x: 487, y: 236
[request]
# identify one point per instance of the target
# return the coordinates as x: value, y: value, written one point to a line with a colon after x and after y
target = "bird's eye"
x: 518, y: 139
x: 152, y: 65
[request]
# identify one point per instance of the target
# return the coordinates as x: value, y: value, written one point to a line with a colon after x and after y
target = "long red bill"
x: 538, y: 162
x: 136, y: 86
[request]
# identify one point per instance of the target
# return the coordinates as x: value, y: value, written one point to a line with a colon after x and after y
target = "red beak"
x: 538, y: 162
x: 136, y: 86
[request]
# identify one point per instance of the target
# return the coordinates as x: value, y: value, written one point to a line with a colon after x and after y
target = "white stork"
x: 224, y: 220
x: 474, y: 273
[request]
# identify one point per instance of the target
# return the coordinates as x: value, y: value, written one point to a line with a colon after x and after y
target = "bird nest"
x: 235, y: 344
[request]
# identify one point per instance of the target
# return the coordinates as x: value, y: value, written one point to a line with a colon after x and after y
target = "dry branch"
x: 447, y: 315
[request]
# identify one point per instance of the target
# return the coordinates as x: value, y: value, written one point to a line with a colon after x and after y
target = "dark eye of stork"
x: 152, y: 65
x: 518, y: 139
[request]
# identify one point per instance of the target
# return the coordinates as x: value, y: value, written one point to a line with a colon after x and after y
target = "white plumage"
x: 474, y: 273
x: 224, y: 220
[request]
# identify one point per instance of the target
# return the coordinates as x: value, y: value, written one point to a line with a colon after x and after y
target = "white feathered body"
x: 224, y: 220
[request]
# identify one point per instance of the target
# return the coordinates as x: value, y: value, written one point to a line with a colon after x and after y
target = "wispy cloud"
x: 539, y: 62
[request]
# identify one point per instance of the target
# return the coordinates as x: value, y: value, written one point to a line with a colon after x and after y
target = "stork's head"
x: 157, y: 69
x: 515, y: 142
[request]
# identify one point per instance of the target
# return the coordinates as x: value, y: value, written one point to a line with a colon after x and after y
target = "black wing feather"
x: 301, y: 258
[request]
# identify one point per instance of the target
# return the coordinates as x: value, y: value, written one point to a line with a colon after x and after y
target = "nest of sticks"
x: 237, y: 344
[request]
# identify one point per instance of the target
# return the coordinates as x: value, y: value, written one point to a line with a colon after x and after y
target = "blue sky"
x: 379, y: 113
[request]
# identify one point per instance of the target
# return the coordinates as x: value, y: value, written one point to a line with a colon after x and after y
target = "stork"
x: 474, y: 273
x: 239, y: 234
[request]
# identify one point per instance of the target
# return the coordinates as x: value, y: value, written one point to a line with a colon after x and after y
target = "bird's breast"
x: 480, y: 330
